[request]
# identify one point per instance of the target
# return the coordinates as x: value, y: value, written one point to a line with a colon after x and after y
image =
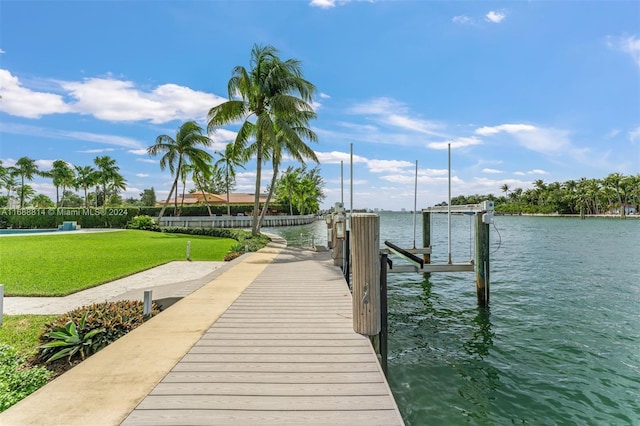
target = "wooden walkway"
x: 283, y: 353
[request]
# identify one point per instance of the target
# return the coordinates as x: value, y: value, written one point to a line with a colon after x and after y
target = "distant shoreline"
x: 587, y: 216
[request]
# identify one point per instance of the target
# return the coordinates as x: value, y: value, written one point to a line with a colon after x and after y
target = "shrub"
x: 115, y: 319
x: 70, y: 340
x: 244, y: 238
x: 16, y: 380
x: 145, y: 223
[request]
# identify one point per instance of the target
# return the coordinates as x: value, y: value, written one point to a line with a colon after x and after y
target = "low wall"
x: 235, y: 221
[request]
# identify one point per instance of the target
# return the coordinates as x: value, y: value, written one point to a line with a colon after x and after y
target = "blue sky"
x: 521, y: 90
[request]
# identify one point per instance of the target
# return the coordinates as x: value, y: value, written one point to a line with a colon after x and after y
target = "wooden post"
x: 365, y: 252
x: 426, y: 235
x: 482, y: 260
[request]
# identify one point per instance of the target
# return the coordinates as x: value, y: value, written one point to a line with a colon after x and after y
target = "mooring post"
x: 482, y: 259
x: 346, y: 250
x: 426, y: 235
x: 365, y: 272
x: 384, y: 324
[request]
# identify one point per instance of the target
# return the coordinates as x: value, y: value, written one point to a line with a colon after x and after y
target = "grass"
x: 58, y: 265
x: 22, y: 332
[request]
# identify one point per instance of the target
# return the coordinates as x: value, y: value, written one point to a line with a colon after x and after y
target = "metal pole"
x: 342, y: 182
x: 351, y: 183
x: 415, y: 205
x: 146, y: 308
x: 449, y: 209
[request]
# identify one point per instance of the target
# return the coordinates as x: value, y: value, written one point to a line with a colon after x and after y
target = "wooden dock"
x: 283, y: 353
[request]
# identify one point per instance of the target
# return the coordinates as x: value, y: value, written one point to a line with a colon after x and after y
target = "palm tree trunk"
x: 206, y: 201
x: 228, y: 204
x: 86, y: 198
x: 166, y: 202
x: 255, y: 229
x: 266, y: 204
x: 184, y: 187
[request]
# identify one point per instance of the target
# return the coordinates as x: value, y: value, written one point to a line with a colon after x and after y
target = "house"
x: 214, y: 199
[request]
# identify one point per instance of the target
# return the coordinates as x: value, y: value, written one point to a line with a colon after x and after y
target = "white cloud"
x: 461, y: 142
x: 324, y: 96
x: 495, y: 17
x: 119, y: 100
x: 508, y: 128
x: 390, y: 112
x: 148, y: 160
x: 142, y: 175
x: 328, y: 4
x: 2, y: 51
x: 382, y: 166
x: 107, y: 99
x: 519, y: 173
x: 634, y: 135
x: 492, y: 171
x: 141, y: 151
x: 461, y: 19
x: 537, y: 172
x: 334, y: 157
x: 95, y: 151
x: 23, y: 102
x: 21, y: 129
x: 45, y: 164
x: 629, y: 45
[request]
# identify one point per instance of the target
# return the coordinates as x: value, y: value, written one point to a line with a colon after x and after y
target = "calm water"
x: 560, y: 343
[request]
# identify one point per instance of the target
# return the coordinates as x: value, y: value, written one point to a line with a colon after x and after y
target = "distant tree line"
x: 614, y: 194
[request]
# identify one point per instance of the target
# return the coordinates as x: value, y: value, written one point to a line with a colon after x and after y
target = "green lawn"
x: 22, y: 332
x: 58, y: 265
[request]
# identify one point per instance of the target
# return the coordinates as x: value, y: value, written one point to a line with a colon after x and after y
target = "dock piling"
x: 482, y: 259
x: 426, y: 235
x: 365, y: 247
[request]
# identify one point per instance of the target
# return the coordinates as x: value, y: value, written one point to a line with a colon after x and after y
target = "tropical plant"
x: 143, y: 222
x: 86, y: 176
x: 42, y: 201
x: 17, y: 381
x: 271, y: 88
x: 62, y: 175
x: 185, y: 148
x: 107, y: 173
x: 27, y: 169
x: 70, y: 340
x: 226, y: 165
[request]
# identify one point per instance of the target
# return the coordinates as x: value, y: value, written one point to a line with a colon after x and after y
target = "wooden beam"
x: 434, y: 267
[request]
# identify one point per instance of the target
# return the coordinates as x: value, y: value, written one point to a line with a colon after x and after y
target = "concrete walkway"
x: 171, y: 280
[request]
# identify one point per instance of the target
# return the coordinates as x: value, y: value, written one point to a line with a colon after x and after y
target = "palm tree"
x: 184, y: 175
x: 62, y: 176
x: 226, y: 165
x: 288, y: 186
x: 271, y: 88
x: 117, y: 184
x: 86, y: 176
x: 106, y: 173
x: 26, y: 168
x: 289, y: 134
x: 183, y: 149
x: 615, y: 183
x: 197, y: 178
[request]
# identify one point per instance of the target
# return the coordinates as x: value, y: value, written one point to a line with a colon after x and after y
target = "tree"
x: 106, y: 174
x: 27, y: 169
x: 226, y: 166
x: 62, y: 176
x: 185, y: 148
x: 42, y: 201
x: 302, y: 188
x: 287, y: 186
x: 117, y: 184
x: 148, y: 197
x: 290, y: 132
x: 505, y: 188
x: 86, y: 176
x: 71, y: 199
x: 8, y: 179
x: 270, y: 88
x: 26, y: 192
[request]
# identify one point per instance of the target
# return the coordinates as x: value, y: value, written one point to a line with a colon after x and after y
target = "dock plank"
x: 283, y: 353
